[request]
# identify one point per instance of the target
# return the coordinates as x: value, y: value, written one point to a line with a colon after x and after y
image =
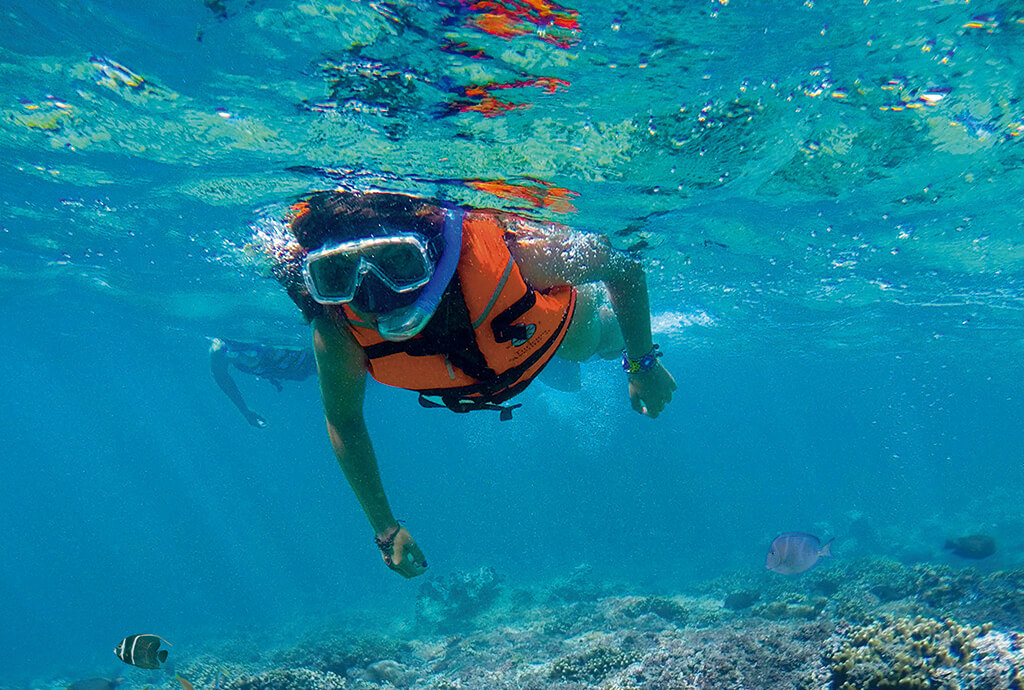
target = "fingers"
x: 414, y: 563
x: 656, y: 406
x: 406, y: 558
x: 635, y: 398
x: 649, y: 395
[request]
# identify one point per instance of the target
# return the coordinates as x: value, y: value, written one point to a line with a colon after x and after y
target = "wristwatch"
x: 645, y: 363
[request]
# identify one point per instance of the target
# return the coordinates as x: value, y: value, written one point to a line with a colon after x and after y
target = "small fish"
x: 115, y: 73
x: 973, y: 546
x: 933, y: 94
x: 142, y: 650
x: 95, y: 684
x: 795, y: 552
x: 185, y: 685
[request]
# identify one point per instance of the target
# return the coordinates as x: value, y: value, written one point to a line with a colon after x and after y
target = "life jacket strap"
x: 502, y: 326
x: 463, y: 405
x: 449, y: 332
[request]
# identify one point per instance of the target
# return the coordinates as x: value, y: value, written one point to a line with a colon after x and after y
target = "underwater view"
x: 726, y: 299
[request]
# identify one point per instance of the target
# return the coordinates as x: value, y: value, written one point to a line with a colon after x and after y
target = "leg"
x: 594, y: 328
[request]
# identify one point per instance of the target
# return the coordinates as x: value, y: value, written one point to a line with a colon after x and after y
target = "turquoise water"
x: 826, y: 197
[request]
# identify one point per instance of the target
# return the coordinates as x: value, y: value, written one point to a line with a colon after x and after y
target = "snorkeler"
x: 274, y: 364
x: 464, y: 306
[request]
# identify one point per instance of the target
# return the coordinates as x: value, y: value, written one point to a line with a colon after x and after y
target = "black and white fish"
x: 142, y: 651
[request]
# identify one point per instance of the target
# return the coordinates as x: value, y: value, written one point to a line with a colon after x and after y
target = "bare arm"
x: 219, y: 368
x: 566, y: 257
x: 552, y: 256
x: 342, y: 369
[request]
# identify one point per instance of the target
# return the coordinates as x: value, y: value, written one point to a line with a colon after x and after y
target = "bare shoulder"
x: 341, y: 368
x: 552, y: 255
x: 336, y: 350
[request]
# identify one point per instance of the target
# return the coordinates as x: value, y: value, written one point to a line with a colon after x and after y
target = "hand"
x: 256, y: 420
x: 404, y: 556
x: 651, y: 390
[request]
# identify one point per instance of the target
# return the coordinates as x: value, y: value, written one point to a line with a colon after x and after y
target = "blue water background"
x: 136, y: 499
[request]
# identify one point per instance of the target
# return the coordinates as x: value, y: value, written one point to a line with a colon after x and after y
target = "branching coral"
x: 905, y: 653
x: 666, y: 608
x: 289, y: 679
x: 592, y: 666
x: 337, y: 654
x: 449, y: 602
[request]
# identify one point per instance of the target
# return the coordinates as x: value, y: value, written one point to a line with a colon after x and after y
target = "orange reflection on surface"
x: 480, y: 99
x: 510, y: 18
x: 539, y: 195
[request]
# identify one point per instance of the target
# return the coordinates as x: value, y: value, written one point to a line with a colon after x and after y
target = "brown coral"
x: 906, y: 653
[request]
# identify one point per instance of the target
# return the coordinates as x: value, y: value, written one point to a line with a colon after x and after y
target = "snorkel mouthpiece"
x: 407, y: 322
x: 403, y: 324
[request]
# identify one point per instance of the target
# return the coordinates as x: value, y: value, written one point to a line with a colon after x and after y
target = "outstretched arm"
x: 557, y: 256
x: 341, y: 364
x: 219, y: 367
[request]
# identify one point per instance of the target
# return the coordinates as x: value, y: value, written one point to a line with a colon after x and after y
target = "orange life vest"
x: 490, y: 336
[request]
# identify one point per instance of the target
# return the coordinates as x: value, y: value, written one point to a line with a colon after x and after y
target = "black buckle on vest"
x: 502, y: 326
x: 463, y: 405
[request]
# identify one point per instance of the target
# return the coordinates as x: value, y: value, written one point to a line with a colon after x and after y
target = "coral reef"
x: 338, y: 654
x: 868, y: 624
x: 749, y: 654
x: 737, y: 601
x: 794, y: 607
x: 593, y: 665
x: 448, y: 603
x: 913, y: 653
x: 288, y: 679
x: 668, y: 609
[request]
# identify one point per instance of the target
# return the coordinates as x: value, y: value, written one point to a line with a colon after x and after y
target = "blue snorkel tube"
x: 405, y: 323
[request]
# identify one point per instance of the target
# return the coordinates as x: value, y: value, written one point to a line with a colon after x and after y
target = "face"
x: 773, y: 560
x: 374, y: 297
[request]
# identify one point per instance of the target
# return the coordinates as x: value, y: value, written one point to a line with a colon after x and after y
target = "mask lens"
x: 334, y: 276
x: 397, y: 264
x: 402, y: 263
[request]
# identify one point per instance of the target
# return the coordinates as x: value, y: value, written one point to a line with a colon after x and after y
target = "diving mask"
x: 402, y: 263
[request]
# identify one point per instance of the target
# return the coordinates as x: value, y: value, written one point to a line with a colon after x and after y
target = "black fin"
x: 162, y: 655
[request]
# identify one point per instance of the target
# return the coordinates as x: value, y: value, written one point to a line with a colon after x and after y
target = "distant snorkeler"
x: 274, y: 364
x: 795, y: 552
x: 464, y: 306
x: 142, y: 650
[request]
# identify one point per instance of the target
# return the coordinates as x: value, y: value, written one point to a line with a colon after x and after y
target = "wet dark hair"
x: 336, y: 216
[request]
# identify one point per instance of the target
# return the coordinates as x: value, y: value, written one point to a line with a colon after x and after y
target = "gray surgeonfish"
x: 795, y: 552
x: 142, y: 650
